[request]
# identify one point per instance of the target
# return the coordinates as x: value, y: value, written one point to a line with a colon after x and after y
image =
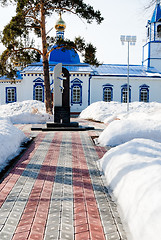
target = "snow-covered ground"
x: 10, y: 141
x: 10, y: 136
x: 133, y: 166
x: 29, y: 111
x: 142, y: 121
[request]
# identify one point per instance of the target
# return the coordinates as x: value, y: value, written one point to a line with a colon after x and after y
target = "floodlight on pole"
x: 131, y: 40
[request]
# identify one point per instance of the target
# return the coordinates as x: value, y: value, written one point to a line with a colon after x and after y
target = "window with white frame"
x: 76, y: 94
x: 10, y: 94
x: 76, y: 91
x: 144, y: 93
x: 38, y: 89
x: 124, y: 93
x: 159, y: 30
x: 39, y: 93
x: 107, y: 94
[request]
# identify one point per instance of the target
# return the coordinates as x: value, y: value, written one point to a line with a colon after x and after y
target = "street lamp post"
x: 131, y: 40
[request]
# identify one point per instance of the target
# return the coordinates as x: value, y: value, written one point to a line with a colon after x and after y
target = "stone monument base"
x: 72, y: 126
x: 58, y: 125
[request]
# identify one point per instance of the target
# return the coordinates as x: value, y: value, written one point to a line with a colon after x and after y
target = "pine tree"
x: 31, y: 17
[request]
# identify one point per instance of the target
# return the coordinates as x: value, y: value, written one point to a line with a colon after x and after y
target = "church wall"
x: 118, y: 82
x: 152, y: 32
x: 98, y: 84
x: 155, y: 50
x: 145, y: 54
x: 156, y: 63
x: 27, y: 91
x: 2, y: 93
x: 154, y: 90
x: 3, y: 86
x: 84, y: 81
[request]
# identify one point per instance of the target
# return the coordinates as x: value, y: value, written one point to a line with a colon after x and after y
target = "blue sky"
x: 125, y: 17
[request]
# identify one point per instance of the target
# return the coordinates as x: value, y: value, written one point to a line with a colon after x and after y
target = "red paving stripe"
x: 41, y: 192
x: 86, y: 215
x: 10, y: 180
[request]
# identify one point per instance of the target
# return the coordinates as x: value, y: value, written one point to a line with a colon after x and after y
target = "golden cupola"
x: 60, y: 27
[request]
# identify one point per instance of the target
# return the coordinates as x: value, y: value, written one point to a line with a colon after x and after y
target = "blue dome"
x: 62, y: 55
x: 156, y: 14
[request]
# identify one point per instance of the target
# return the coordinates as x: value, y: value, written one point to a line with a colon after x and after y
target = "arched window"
x: 39, y: 93
x: 10, y: 94
x: 108, y: 92
x: 76, y: 91
x: 124, y: 93
x: 144, y: 93
x: 159, y: 30
x: 38, y: 89
x: 76, y: 94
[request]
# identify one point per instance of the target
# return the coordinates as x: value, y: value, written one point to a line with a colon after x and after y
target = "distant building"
x: 89, y: 84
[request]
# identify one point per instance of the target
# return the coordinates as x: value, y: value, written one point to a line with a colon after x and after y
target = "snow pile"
x: 103, y: 111
x: 133, y: 171
x: 10, y: 141
x: 29, y: 111
x: 108, y: 111
x: 142, y: 121
x: 11, y: 137
x: 126, y: 129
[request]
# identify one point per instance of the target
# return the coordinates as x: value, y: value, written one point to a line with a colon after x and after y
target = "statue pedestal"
x: 64, y: 125
x: 62, y: 114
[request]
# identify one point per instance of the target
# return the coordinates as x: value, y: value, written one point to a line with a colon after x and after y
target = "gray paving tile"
x: 52, y: 228
x: 6, y: 235
x: 3, y: 220
x: 52, y: 235
x: 9, y: 228
x: 66, y: 220
x: 1, y: 227
x: 107, y: 208
x: 12, y: 221
x: 66, y: 235
x: 113, y: 236
x: 68, y: 228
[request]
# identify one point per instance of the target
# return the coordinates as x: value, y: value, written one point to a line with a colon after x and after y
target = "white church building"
x: 89, y: 84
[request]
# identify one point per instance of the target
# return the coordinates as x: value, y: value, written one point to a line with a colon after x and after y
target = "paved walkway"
x: 55, y: 191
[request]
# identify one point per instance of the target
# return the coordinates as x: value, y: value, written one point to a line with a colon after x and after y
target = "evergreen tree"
x: 31, y: 17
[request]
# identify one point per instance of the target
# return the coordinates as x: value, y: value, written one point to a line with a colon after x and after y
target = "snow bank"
x: 133, y: 171
x: 103, y: 111
x: 126, y: 129
x: 29, y: 111
x: 10, y: 141
x: 108, y: 111
x: 142, y: 121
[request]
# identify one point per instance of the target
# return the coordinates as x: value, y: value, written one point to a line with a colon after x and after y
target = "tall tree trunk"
x: 48, y: 101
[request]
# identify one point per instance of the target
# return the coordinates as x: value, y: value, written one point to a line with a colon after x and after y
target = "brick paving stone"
x: 56, y: 192
x: 108, y: 218
x: 82, y: 236
x: 20, y: 236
